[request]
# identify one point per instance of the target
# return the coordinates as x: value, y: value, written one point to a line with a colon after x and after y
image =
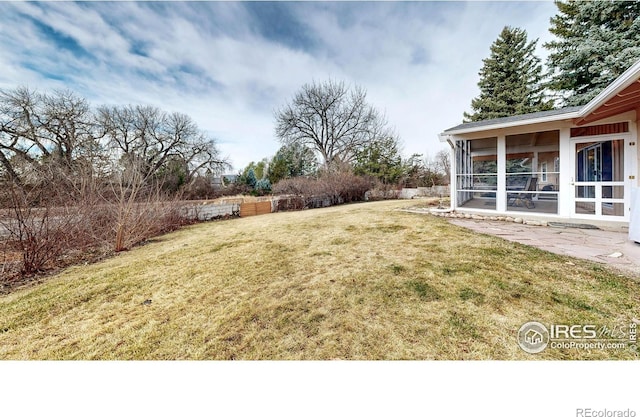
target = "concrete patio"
x: 608, y: 247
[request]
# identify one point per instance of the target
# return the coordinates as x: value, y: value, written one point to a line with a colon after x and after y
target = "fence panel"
x: 255, y: 209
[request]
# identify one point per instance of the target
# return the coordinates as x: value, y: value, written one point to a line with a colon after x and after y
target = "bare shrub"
x: 295, y: 186
x: 38, y: 233
x: 382, y: 191
x: 141, y: 209
x: 344, y: 187
x: 233, y: 189
x: 199, y: 188
x: 290, y: 203
x: 336, y: 187
x: 53, y: 224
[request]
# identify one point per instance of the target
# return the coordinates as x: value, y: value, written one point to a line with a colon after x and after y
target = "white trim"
x: 501, y: 186
x: 453, y: 180
x: 443, y: 137
x: 516, y: 123
x: 623, y: 81
x: 598, y: 200
x: 567, y: 170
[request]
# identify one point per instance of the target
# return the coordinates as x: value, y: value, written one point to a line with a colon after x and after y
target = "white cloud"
x: 418, y: 60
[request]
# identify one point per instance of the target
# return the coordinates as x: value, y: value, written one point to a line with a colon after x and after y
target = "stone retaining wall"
x: 408, y: 193
x: 454, y: 215
x: 205, y: 212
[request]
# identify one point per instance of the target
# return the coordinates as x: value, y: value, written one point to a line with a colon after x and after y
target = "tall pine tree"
x: 596, y: 41
x: 510, y: 79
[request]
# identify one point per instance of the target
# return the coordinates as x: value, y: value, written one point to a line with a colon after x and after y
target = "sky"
x: 232, y: 65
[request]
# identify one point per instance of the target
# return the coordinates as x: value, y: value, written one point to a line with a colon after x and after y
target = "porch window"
x: 476, y: 173
x: 531, y: 186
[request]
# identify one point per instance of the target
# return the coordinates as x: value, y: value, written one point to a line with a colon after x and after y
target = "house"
x: 576, y: 164
x: 223, y: 180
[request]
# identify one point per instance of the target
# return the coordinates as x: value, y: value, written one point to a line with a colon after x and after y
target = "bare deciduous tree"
x: 36, y: 129
x: 74, y: 181
x: 443, y: 163
x: 331, y: 118
x: 151, y: 138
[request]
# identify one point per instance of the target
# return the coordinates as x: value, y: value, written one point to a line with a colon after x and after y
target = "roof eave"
x: 515, y: 123
x: 623, y: 81
x: 444, y: 137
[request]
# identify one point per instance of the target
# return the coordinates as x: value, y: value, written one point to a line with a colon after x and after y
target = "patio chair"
x: 548, y: 187
x: 525, y: 199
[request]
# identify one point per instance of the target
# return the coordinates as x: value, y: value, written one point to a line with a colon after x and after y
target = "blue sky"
x: 230, y: 65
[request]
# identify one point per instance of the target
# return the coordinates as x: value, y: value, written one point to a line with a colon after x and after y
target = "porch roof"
x: 517, y: 120
x: 622, y: 95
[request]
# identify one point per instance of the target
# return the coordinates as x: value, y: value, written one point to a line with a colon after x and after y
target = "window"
x: 477, y: 173
x: 532, y: 172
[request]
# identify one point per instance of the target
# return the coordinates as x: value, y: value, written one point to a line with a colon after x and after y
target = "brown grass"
x: 362, y: 281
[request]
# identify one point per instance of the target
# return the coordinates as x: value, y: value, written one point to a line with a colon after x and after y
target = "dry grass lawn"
x: 362, y: 281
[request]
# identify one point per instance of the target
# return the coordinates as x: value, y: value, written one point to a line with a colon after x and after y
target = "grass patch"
x: 463, y: 326
x: 466, y: 294
x: 224, y: 245
x: 425, y: 291
x: 459, y: 268
x: 393, y: 228
x: 322, y: 253
x: 343, y: 282
x: 570, y: 301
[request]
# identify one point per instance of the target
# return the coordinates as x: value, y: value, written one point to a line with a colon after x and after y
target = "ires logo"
x: 534, y: 337
x: 577, y: 331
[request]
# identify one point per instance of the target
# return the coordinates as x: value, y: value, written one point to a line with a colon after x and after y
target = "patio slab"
x: 604, y: 246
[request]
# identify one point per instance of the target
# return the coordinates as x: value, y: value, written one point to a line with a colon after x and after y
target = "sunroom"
x: 572, y: 163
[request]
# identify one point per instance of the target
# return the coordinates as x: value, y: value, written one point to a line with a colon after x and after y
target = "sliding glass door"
x: 600, y: 178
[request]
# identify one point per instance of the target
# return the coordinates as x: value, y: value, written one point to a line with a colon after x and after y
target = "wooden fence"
x: 254, y: 209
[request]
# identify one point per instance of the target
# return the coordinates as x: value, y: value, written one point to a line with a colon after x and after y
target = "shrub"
x: 336, y: 187
x: 294, y: 186
x: 234, y: 188
x: 41, y: 234
x: 262, y: 187
x: 382, y: 191
x: 44, y: 228
x: 290, y: 203
x: 199, y: 189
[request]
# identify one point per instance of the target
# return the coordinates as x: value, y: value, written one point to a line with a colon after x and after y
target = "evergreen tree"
x: 381, y: 159
x: 292, y: 160
x: 510, y: 79
x: 596, y: 42
x: 278, y: 169
x: 263, y: 186
x: 251, y: 178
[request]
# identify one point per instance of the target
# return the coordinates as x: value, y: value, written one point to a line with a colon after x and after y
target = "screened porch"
x: 531, y: 167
